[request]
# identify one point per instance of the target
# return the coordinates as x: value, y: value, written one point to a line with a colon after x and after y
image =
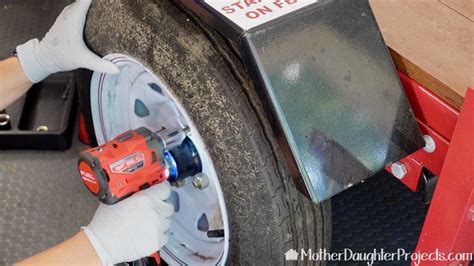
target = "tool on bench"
x: 136, y: 160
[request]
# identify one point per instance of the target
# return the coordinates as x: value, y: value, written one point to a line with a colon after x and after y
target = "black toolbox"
x: 43, y: 118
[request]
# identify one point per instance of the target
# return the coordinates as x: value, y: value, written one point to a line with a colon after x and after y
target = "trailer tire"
x: 268, y: 216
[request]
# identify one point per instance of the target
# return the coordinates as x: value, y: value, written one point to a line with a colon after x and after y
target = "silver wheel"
x: 136, y: 98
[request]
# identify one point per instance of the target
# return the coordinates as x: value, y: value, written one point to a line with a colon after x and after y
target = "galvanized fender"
x: 328, y: 84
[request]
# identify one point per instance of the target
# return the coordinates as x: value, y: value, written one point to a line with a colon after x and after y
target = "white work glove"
x: 63, y: 47
x: 133, y: 228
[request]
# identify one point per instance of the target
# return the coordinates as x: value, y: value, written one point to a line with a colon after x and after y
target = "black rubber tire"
x: 268, y: 216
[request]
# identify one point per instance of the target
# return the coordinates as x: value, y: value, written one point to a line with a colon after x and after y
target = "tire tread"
x: 294, y: 221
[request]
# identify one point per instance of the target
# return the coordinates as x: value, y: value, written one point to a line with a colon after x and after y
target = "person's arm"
x: 77, y: 250
x: 62, y: 49
x: 127, y: 231
x: 13, y: 81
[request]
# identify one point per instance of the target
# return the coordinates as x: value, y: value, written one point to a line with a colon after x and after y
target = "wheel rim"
x: 136, y: 98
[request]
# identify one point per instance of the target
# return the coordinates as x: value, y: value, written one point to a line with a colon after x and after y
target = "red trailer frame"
x: 449, y: 224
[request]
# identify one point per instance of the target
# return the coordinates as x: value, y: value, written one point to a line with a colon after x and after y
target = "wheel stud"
x: 178, y: 183
x: 200, y: 181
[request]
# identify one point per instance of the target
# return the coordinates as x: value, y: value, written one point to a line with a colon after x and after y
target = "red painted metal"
x: 437, y: 119
x: 429, y: 108
x: 157, y: 258
x: 83, y: 136
x: 449, y: 224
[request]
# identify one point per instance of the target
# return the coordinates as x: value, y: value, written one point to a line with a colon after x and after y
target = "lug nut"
x: 42, y: 129
x: 178, y: 183
x: 4, y: 121
x: 200, y: 181
x: 430, y: 145
x: 399, y: 170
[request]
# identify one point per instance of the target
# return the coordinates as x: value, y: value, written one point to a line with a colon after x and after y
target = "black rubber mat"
x: 22, y: 20
x: 42, y: 199
x: 380, y: 213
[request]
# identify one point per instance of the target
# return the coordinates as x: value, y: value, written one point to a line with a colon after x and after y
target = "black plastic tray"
x: 43, y: 118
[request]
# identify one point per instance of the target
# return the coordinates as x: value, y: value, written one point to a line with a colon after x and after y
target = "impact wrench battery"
x: 136, y: 160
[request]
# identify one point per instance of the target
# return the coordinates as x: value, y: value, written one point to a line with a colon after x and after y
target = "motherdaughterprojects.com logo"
x: 377, y: 255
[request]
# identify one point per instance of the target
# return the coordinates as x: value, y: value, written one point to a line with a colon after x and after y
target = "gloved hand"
x: 63, y: 47
x: 132, y: 229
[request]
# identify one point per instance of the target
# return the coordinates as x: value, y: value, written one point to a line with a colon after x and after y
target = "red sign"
x: 248, y: 14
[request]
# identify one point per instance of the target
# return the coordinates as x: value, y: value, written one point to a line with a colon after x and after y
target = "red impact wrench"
x: 136, y: 160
